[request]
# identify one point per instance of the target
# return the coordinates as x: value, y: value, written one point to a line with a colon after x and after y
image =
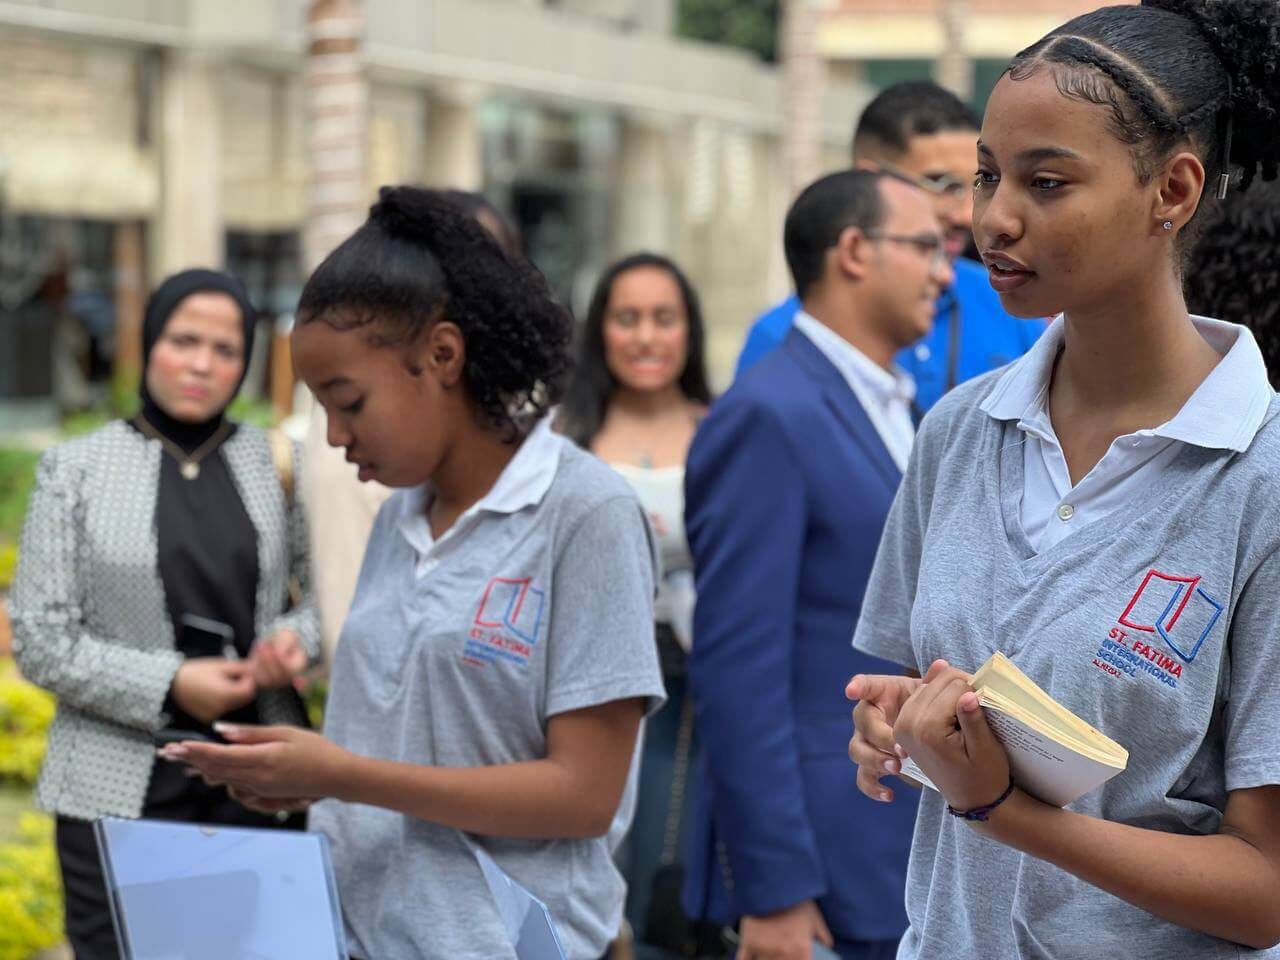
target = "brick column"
x: 337, y: 115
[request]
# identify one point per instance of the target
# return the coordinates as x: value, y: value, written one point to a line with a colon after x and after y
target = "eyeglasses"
x: 943, y: 185
x: 930, y: 244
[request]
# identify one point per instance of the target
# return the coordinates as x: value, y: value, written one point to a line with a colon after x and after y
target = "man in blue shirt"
x: 926, y: 134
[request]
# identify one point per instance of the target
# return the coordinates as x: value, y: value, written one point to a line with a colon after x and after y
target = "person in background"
x: 498, y: 659
x: 638, y: 391
x: 1234, y: 273
x: 920, y: 131
x: 789, y: 482
x: 153, y: 590
x: 343, y: 509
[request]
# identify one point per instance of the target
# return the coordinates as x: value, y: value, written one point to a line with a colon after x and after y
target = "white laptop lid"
x: 182, y: 891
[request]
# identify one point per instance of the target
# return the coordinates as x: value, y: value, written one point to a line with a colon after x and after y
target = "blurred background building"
x: 138, y: 137
x: 963, y: 44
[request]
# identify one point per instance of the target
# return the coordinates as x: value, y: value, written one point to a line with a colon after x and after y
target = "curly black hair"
x: 1176, y: 73
x: 421, y: 258
x: 1235, y: 269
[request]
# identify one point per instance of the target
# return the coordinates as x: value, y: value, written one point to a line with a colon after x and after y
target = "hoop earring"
x: 1168, y: 224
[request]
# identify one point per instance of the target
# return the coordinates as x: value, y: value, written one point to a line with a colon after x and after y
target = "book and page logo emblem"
x: 506, y: 625
x: 514, y: 605
x: 1176, y: 608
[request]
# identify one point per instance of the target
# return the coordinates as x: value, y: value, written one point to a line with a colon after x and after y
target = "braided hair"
x: 421, y: 258
x: 1202, y: 75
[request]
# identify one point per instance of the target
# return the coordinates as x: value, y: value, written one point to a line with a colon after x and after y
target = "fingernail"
x: 175, y: 750
x: 226, y: 729
x: 883, y: 797
x: 892, y: 766
x: 897, y: 748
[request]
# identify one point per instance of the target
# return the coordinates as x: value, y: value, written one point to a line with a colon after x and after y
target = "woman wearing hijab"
x: 152, y: 594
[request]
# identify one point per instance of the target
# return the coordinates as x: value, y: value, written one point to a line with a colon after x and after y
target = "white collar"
x: 1224, y: 412
x: 854, y: 365
x: 523, y: 482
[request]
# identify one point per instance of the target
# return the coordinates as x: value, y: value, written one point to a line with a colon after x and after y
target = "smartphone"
x: 169, y: 735
x: 203, y: 637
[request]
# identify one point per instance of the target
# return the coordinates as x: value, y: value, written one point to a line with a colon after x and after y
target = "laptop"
x: 182, y: 891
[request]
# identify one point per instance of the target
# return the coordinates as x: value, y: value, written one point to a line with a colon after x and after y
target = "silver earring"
x: 1168, y: 224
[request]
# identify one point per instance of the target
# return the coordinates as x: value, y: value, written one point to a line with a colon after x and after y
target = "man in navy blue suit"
x: 788, y: 484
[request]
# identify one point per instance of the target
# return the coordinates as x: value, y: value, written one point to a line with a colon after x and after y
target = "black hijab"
x: 160, y: 307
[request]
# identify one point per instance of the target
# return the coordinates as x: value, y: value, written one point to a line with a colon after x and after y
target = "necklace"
x: 188, y: 463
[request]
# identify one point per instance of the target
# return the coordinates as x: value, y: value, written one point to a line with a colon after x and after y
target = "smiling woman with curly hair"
x: 498, y: 658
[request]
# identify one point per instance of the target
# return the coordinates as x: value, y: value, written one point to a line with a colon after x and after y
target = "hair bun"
x: 407, y: 213
x: 1245, y: 34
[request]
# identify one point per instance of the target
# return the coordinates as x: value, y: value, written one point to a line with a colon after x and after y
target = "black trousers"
x: 90, y: 932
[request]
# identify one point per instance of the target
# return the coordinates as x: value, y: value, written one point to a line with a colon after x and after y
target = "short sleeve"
x: 884, y: 626
x: 1252, y: 727
x: 601, y: 641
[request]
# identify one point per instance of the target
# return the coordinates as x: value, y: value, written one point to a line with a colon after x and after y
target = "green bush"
x: 25, y: 714
x: 30, y: 890
x: 17, y: 477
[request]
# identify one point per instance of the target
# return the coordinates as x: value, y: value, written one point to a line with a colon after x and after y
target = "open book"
x: 1053, y: 754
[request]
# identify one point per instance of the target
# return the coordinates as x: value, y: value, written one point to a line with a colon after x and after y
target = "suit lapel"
x: 840, y: 398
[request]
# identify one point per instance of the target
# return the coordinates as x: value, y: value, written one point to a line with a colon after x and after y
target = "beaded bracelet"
x: 981, y: 813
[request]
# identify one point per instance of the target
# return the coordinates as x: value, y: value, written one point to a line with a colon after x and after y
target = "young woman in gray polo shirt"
x: 498, y: 657
x: 1105, y: 512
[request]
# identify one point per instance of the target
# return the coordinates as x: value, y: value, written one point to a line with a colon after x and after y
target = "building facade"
x: 964, y: 44
x: 138, y: 137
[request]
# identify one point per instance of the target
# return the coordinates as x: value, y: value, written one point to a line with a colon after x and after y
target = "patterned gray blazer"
x: 90, y: 622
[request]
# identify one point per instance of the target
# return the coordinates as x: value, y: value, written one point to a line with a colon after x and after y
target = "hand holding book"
x: 942, y: 728
x: 1053, y: 754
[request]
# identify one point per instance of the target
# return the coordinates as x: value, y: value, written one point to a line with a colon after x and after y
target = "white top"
x: 661, y: 493
x: 1223, y: 413
x: 885, y: 395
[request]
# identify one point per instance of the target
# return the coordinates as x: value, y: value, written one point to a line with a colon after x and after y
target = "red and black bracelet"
x: 982, y: 813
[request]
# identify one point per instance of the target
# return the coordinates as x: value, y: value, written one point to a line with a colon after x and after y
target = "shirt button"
x: 1065, y: 512
x: 922, y: 352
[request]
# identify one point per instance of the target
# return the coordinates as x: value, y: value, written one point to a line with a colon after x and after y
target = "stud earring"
x: 1168, y: 224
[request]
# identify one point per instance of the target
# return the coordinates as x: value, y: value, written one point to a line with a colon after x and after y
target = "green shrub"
x: 8, y: 563
x: 17, y: 477
x: 30, y: 890
x: 25, y: 714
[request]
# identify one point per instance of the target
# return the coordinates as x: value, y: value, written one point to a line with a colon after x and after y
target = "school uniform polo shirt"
x: 1223, y: 412
x: 1157, y: 624
x: 538, y: 601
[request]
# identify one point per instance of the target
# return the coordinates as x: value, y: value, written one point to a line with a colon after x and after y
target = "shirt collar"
x: 861, y: 372
x: 1224, y: 412
x: 523, y: 482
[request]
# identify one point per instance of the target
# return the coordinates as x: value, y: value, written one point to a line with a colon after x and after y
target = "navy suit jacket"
x: 787, y: 489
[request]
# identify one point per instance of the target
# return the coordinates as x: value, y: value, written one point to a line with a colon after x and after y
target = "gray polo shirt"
x: 455, y: 653
x: 1157, y: 624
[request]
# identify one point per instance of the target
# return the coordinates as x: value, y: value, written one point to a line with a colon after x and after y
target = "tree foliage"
x: 748, y: 24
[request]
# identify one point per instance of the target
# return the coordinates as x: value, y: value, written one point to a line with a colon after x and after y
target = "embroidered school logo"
x: 507, y: 623
x: 1177, y: 610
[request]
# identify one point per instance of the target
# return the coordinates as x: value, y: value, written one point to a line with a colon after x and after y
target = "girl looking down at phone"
x: 498, y: 658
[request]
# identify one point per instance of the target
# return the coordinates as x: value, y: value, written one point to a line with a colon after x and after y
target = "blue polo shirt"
x: 987, y: 337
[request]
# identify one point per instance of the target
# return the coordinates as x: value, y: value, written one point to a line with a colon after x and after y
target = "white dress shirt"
x: 1223, y: 413
x: 884, y: 395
